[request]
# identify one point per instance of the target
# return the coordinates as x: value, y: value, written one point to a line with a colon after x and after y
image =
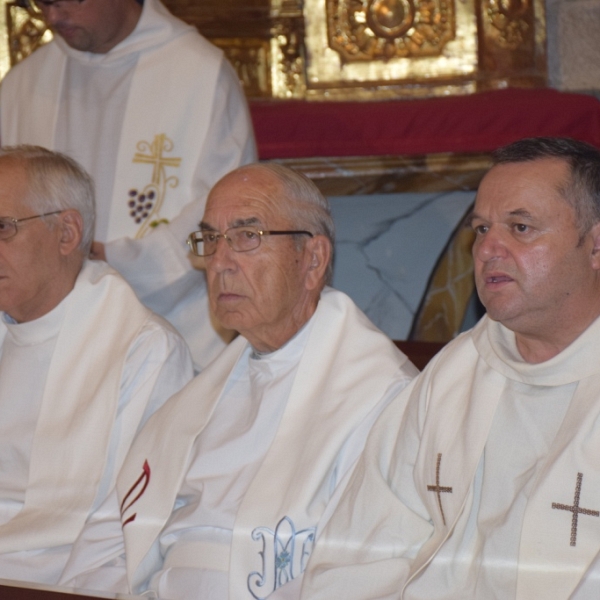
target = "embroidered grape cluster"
x: 140, y: 205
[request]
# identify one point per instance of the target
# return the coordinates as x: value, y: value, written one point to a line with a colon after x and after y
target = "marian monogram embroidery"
x: 144, y: 206
x: 284, y: 555
x: 136, y: 491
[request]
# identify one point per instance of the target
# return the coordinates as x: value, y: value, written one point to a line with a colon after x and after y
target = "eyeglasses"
x: 46, y: 4
x: 8, y: 225
x: 240, y: 239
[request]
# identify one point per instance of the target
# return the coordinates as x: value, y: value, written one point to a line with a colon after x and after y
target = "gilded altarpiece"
x: 366, y: 50
x: 349, y: 49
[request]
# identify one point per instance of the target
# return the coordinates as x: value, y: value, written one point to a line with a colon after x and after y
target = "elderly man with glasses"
x: 224, y: 490
x: 82, y: 363
x: 156, y: 115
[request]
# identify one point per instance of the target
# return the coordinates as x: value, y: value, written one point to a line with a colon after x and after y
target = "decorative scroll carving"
x: 250, y: 59
x: 364, y: 30
x: 288, y: 36
x: 511, y: 21
x: 512, y: 43
x: 27, y: 30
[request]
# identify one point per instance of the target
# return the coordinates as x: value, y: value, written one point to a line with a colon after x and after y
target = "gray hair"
x: 582, y: 191
x: 306, y: 206
x: 56, y: 182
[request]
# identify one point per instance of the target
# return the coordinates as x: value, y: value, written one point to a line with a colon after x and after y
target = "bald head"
x: 268, y: 289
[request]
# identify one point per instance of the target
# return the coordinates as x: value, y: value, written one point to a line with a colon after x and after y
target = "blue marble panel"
x: 386, y: 248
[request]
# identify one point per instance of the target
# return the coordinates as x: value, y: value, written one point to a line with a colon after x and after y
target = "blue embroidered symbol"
x: 284, y: 554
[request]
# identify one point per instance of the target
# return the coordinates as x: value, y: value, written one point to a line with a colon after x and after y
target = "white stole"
x: 346, y: 368
x: 102, y: 318
x: 158, y: 150
x: 456, y: 428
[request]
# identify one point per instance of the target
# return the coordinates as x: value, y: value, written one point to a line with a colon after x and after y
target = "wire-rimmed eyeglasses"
x: 8, y: 225
x: 240, y: 239
x: 46, y: 4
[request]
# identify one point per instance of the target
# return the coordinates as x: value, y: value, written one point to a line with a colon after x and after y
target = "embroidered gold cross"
x: 437, y: 488
x: 160, y: 144
x: 576, y: 510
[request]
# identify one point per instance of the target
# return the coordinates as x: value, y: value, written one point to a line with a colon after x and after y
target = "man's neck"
x: 131, y: 18
x: 536, y: 349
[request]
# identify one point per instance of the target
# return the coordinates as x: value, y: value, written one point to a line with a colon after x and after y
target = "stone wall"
x: 573, y: 31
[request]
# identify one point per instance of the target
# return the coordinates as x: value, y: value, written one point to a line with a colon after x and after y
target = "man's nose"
x: 223, y: 257
x: 490, y: 245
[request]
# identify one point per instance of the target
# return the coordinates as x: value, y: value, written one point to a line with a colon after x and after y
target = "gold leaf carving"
x: 510, y: 21
x: 366, y: 30
x: 27, y: 30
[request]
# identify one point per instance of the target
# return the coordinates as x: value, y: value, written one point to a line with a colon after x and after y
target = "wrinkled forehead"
x: 246, y: 197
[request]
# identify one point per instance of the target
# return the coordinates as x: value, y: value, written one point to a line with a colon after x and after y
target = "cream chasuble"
x: 158, y: 150
x: 154, y: 155
x: 414, y: 493
x: 63, y: 484
x: 342, y: 380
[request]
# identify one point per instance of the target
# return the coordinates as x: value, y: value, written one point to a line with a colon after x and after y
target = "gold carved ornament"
x: 26, y: 31
x: 365, y: 30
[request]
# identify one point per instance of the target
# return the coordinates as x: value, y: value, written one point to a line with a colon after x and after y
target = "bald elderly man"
x: 82, y: 363
x: 223, y: 493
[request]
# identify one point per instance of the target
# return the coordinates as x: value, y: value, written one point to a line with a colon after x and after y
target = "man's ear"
x: 71, y: 231
x: 319, y: 254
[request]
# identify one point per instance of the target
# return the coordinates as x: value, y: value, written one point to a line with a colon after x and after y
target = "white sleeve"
x: 97, y: 560
x: 366, y: 549
x: 157, y: 366
x: 229, y: 143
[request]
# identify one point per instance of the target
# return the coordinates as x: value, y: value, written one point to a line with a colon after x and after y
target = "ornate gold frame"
x: 349, y: 49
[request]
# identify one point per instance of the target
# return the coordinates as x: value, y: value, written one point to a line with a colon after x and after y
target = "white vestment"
x: 486, y: 486
x: 156, y: 121
x: 76, y: 386
x: 248, y: 495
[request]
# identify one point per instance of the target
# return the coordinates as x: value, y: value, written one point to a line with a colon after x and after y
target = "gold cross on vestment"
x: 437, y: 488
x: 160, y: 144
x: 576, y: 510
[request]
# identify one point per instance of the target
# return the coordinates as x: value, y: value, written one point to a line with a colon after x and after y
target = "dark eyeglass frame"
x: 193, y: 240
x: 14, y: 222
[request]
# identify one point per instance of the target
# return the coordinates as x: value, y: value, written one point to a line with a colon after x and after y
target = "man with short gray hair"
x: 82, y: 363
x: 223, y: 491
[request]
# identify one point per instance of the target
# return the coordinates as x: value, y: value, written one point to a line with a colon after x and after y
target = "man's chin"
x: 75, y: 38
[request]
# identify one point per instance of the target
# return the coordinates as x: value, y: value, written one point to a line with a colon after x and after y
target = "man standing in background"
x: 156, y: 115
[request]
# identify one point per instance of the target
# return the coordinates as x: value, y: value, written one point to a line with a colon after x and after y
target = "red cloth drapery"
x: 474, y: 123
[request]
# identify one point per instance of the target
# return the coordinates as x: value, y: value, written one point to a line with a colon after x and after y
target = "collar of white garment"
x: 156, y: 27
x: 298, y: 340
x: 497, y: 346
x: 38, y: 330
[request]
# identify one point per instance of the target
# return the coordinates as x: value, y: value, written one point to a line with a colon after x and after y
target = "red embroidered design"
x: 142, y: 481
x: 576, y: 510
x: 437, y: 488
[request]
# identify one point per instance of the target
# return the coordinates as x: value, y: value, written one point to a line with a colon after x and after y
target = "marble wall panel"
x: 386, y: 248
